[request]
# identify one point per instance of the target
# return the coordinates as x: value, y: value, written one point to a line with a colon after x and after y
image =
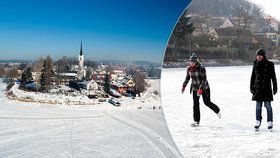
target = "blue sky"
x: 112, y: 29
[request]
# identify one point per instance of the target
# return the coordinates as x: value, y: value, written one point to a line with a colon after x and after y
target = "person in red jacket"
x: 199, y: 86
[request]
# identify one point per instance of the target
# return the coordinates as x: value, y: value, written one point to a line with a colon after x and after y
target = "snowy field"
x: 233, y: 135
x: 41, y: 130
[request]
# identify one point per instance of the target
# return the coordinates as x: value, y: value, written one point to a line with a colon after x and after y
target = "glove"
x: 274, y: 91
x: 199, y: 92
x: 183, y: 88
x: 252, y: 91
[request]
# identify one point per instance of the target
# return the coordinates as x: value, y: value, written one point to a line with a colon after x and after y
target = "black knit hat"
x: 193, y: 57
x: 261, y: 52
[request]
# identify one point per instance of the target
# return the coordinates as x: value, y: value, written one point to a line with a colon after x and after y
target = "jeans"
x: 268, y: 109
x: 207, y: 102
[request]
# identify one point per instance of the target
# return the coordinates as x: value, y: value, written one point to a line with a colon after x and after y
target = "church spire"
x: 81, y: 49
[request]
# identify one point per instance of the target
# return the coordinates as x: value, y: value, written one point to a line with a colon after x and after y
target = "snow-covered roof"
x: 67, y: 74
x: 86, y: 81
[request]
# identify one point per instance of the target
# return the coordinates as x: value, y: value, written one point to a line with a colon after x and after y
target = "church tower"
x: 82, y: 72
x: 81, y: 57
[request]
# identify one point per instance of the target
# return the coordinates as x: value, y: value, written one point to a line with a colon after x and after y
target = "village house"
x: 99, y: 76
x: 90, y: 85
x: 123, y: 85
x: 65, y: 78
x: 231, y: 34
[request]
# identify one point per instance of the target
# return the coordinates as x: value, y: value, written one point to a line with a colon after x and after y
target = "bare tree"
x: 11, y: 74
x: 2, y: 72
x: 140, y: 83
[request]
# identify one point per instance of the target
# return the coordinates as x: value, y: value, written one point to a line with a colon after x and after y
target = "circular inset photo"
x: 219, y: 80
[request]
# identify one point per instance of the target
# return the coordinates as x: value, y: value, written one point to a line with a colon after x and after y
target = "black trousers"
x: 207, y: 102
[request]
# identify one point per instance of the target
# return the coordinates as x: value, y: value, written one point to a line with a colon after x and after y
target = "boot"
x: 257, y: 125
x: 269, y: 125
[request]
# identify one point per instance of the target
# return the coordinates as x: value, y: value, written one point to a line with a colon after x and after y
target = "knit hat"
x: 193, y: 57
x: 260, y: 52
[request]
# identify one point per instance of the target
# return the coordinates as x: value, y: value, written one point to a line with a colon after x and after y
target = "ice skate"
x: 257, y: 125
x: 219, y: 115
x: 195, y: 124
x: 270, y: 126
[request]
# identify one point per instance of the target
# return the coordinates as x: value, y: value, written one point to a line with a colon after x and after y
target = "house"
x: 230, y: 32
x: 36, y: 75
x: 89, y: 85
x: 273, y: 37
x: 117, y: 74
x: 99, y: 76
x: 65, y: 78
x: 231, y: 36
x: 273, y: 23
x: 123, y: 85
x: 227, y: 23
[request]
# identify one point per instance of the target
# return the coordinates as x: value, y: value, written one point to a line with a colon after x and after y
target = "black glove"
x: 252, y: 91
x: 183, y: 87
x: 274, y: 91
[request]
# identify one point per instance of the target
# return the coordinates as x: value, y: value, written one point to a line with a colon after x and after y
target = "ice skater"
x: 199, y: 86
x: 262, y: 75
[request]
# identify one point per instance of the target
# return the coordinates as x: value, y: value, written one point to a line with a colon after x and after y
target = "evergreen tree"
x: 106, y: 84
x: 48, y: 71
x: 29, y: 74
x: 183, y: 29
x: 43, y: 77
x: 23, y: 79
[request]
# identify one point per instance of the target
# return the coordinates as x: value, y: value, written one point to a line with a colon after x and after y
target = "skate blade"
x: 194, y: 125
x: 257, y: 129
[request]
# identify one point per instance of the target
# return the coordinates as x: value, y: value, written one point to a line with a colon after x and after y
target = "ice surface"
x: 233, y: 135
x: 101, y: 130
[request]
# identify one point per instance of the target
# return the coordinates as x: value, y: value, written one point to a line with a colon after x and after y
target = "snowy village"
x: 77, y: 81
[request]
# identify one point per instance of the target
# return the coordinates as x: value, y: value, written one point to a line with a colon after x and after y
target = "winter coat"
x: 198, y: 76
x: 262, y: 75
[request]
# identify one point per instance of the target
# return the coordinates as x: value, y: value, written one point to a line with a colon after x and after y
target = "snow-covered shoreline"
x: 82, y: 100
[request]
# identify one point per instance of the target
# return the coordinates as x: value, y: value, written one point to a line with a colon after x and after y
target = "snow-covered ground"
x: 233, y: 135
x: 102, y: 130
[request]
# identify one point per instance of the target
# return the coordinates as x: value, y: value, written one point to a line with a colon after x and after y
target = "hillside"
x: 224, y: 8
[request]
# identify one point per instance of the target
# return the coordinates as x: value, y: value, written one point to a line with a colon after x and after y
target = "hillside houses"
x: 257, y: 31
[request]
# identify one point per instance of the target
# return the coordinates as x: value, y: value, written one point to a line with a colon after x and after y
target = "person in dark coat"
x: 262, y: 75
x: 199, y: 86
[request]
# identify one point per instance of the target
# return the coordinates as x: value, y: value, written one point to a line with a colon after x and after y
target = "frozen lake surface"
x: 231, y: 136
x: 40, y: 130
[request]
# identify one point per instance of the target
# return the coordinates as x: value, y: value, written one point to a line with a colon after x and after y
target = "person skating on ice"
x: 199, y: 86
x: 262, y: 75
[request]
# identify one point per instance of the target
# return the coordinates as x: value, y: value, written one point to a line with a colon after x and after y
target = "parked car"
x: 114, y: 93
x: 102, y: 100
x: 90, y: 96
x: 115, y: 102
x: 129, y: 95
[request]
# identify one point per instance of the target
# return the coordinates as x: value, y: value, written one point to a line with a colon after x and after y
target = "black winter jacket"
x: 262, y: 75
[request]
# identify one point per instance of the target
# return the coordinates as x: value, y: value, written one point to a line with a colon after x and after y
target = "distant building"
x: 65, y: 78
x: 227, y: 23
x: 89, y: 85
x: 82, y: 72
x: 273, y: 23
x: 123, y: 85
